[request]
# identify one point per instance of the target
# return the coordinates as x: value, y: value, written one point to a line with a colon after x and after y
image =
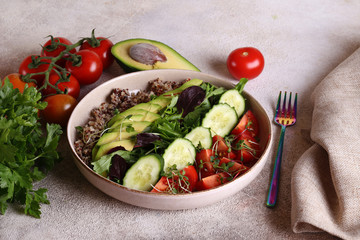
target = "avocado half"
x: 121, y: 52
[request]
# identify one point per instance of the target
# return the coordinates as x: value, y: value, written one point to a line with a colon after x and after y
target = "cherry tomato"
x: 249, y: 123
x: 52, y: 48
x: 102, y: 49
x: 90, y: 68
x: 236, y: 169
x: 204, y: 162
x: 59, y: 108
x: 189, y: 184
x: 29, y: 66
x: 15, y: 79
x: 247, y: 148
x: 222, y: 148
x: 245, y: 62
x: 72, y: 86
x: 212, y: 181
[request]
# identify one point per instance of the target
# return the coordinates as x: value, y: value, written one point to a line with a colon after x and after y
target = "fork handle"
x: 274, y: 184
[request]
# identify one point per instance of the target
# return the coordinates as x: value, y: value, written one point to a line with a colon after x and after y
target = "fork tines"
x: 283, y: 111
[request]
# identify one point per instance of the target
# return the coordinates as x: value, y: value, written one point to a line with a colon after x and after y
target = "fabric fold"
x: 326, y: 178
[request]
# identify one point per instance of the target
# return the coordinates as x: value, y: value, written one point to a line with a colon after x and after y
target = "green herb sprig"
x: 27, y: 152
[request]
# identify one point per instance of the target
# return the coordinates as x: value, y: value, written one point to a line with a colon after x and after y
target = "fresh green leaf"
x: 28, y: 151
x: 102, y: 165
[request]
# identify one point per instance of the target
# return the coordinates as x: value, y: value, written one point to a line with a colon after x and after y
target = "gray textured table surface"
x: 302, y: 41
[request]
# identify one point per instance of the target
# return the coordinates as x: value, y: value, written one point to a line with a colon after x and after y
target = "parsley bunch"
x: 27, y: 150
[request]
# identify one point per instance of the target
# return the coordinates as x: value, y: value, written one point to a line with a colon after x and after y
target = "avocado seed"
x: 146, y: 53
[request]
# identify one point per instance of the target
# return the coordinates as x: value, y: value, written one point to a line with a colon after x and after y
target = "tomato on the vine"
x: 15, y: 79
x: 59, y: 108
x: 247, y: 62
x: 102, y: 47
x: 72, y: 86
x: 32, y: 64
x: 53, y: 48
x: 87, y: 69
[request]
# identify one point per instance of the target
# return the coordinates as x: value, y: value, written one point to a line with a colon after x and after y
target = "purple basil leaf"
x: 118, y: 168
x: 189, y: 99
x: 116, y: 149
x: 144, y: 139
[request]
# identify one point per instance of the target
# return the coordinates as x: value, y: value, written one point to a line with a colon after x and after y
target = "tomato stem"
x: 52, y: 66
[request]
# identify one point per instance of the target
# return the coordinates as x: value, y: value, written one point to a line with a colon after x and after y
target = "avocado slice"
x: 129, y: 113
x: 148, y: 106
x: 128, y: 144
x: 162, y: 101
x: 133, y: 55
x: 136, y: 127
x: 117, y: 134
x: 145, y: 116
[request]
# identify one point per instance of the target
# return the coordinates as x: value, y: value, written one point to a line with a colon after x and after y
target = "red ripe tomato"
x: 102, y: 48
x: 15, y: 79
x: 204, y: 162
x: 247, y: 122
x: 236, y: 169
x: 72, y: 86
x: 247, y: 62
x: 59, y: 108
x: 247, y: 148
x: 88, y: 70
x: 53, y: 48
x: 189, y: 184
x: 31, y: 64
x: 221, y: 148
x: 212, y: 181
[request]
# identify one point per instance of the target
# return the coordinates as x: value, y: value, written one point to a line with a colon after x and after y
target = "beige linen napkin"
x: 326, y: 179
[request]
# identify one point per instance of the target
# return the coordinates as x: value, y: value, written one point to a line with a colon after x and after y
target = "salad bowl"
x: 164, y: 201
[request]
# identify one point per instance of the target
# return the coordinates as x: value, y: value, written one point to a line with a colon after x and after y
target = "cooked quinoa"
x: 119, y: 101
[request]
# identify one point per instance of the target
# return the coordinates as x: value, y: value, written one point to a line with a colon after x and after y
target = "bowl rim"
x: 166, y: 195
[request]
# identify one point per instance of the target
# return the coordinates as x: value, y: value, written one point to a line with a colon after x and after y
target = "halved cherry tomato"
x: 222, y: 148
x: 247, y: 62
x: 236, y: 169
x: 15, y: 79
x: 186, y: 184
x: 59, y: 108
x: 247, y: 148
x: 161, y: 186
x: 204, y: 162
x: 247, y: 122
x: 53, y: 48
x: 31, y: 64
x: 90, y: 68
x: 102, y: 47
x: 213, y: 181
x: 72, y: 86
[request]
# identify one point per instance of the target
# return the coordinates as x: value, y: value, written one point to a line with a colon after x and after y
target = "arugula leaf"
x: 28, y: 151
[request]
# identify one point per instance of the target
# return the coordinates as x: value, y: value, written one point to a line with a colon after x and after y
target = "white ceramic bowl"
x: 138, y: 80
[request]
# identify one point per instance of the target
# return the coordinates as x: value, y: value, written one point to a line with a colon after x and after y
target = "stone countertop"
x: 301, y: 42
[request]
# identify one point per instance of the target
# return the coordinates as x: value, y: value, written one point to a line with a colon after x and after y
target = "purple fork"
x: 284, y: 117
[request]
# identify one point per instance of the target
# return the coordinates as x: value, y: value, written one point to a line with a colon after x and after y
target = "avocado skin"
x: 120, y: 51
x: 125, y: 67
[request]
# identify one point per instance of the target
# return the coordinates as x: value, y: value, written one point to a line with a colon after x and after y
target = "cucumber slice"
x: 221, y: 119
x: 144, y: 173
x: 181, y: 153
x: 200, y: 136
x: 234, y: 99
